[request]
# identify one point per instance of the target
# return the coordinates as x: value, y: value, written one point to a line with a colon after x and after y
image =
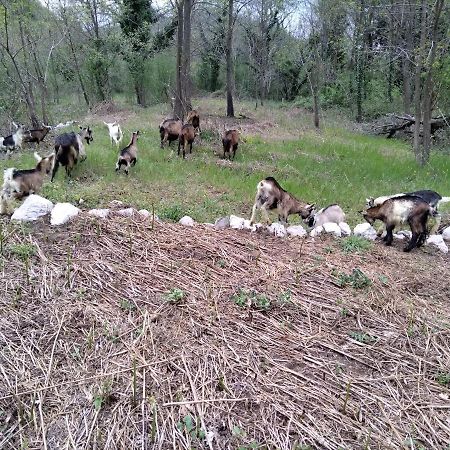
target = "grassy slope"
x: 330, y: 166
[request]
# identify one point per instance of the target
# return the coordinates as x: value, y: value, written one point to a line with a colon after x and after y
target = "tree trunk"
x: 229, y: 55
x: 428, y: 86
x: 408, y: 26
x: 417, y: 83
x: 186, y: 57
x: 178, y: 106
x: 359, y: 62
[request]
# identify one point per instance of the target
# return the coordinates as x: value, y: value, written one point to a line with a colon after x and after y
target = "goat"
x: 128, y: 155
x: 170, y: 130
x: 14, y: 140
x: 332, y: 213
x: 399, y: 210
x: 431, y: 197
x: 270, y: 195
x: 115, y: 133
x: 37, y: 135
x: 194, y: 119
x: 69, y: 147
x: 21, y: 183
x: 187, y: 136
x: 230, y: 141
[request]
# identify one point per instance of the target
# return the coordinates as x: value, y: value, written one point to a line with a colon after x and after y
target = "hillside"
x: 115, y: 334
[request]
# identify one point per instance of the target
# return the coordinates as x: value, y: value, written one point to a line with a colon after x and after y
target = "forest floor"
x: 124, y: 333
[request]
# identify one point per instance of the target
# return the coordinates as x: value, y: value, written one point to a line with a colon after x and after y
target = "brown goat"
x: 270, y: 195
x: 128, y: 155
x: 187, y: 136
x: 398, y: 210
x: 194, y: 119
x: 230, y: 141
x: 170, y: 130
x: 37, y: 135
x: 21, y: 183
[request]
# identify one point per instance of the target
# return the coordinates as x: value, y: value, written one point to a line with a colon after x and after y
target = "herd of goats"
x: 413, y: 208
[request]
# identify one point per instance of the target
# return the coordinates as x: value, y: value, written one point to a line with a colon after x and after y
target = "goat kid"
x: 69, y: 148
x: 431, y: 197
x: 115, y: 133
x: 399, y: 210
x: 230, y: 141
x: 169, y: 130
x: 187, y: 136
x: 332, y: 213
x: 14, y: 140
x: 194, y: 119
x: 128, y: 155
x: 21, y: 183
x: 270, y: 195
x: 36, y: 135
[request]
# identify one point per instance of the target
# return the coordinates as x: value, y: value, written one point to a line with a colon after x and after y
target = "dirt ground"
x: 123, y: 333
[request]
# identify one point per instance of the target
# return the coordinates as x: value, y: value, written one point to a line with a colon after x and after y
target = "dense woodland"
x: 366, y: 57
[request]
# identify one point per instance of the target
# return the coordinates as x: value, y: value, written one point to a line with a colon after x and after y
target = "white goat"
x: 332, y: 213
x: 13, y: 140
x: 115, y: 133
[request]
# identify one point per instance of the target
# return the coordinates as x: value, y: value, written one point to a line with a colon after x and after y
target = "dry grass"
x: 96, y: 354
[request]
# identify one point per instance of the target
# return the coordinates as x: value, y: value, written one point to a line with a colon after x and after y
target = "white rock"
x: 333, y: 228
x: 296, y: 230
x: 114, y: 203
x: 208, y: 225
x: 222, y: 222
x: 365, y: 230
x: 399, y: 236
x: 438, y: 241
x: 446, y: 234
x: 405, y: 233
x: 144, y: 213
x: 345, y: 229
x: 277, y: 229
x: 126, y: 212
x: 62, y: 213
x: 237, y: 222
x: 32, y: 208
x: 187, y: 221
x: 102, y: 213
x: 316, y: 231
x: 247, y: 225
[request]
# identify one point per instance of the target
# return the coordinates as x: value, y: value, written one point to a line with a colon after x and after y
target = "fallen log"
x: 403, y: 122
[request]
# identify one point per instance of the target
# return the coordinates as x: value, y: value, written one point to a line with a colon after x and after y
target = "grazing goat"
x: 332, y: 213
x: 230, y: 141
x: 20, y: 183
x: 69, y: 147
x: 187, y: 136
x: 13, y: 140
x: 270, y: 195
x: 399, y: 210
x: 37, y: 135
x: 431, y: 197
x: 115, y: 133
x: 128, y: 156
x: 169, y: 130
x: 194, y: 119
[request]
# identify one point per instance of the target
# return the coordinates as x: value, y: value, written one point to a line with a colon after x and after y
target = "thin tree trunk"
x: 229, y: 55
x: 428, y: 87
x: 359, y: 63
x: 178, y: 106
x: 186, y: 56
x: 417, y: 83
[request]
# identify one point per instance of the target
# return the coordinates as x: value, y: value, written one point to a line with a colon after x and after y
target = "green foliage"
x: 355, y: 244
x: 171, y: 212
x: 175, y: 295
x: 443, y: 378
x: 22, y: 251
x: 357, y: 279
x: 244, y: 298
x: 364, y: 338
x: 188, y: 425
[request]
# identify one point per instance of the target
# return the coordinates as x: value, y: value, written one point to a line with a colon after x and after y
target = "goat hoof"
x: 407, y: 249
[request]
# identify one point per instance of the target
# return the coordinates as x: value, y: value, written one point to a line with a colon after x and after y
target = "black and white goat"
x: 431, y: 197
x: 21, y: 183
x: 14, y: 140
x: 400, y: 210
x: 128, y: 155
x: 115, y: 133
x: 69, y: 148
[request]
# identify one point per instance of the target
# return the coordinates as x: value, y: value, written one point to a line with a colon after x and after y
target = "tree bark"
x: 178, y: 105
x: 417, y: 83
x: 186, y: 57
x: 229, y: 56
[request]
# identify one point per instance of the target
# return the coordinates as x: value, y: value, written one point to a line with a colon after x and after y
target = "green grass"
x: 333, y: 165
